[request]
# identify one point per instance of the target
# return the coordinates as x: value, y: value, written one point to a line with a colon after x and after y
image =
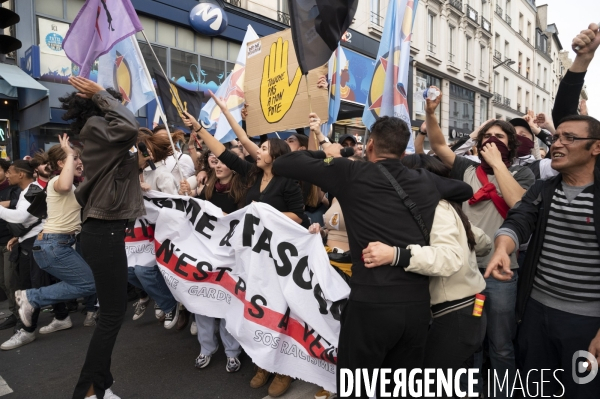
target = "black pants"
x: 382, y: 335
x: 548, y: 339
x: 31, y: 276
x: 453, y: 339
x: 103, y: 247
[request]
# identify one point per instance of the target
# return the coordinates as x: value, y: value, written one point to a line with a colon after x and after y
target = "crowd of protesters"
x: 506, y: 216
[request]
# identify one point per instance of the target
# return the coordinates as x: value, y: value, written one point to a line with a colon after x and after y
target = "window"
x: 468, y: 54
x: 508, y: 8
x: 430, y: 33
x: 505, y: 88
x: 422, y: 81
x: 526, y: 101
x: 161, y: 53
x: 50, y: 7
x: 185, y: 39
x: 219, y: 48
x: 73, y: 7
x: 181, y: 66
x: 166, y: 34
x: 463, y: 108
x: 506, y: 50
x: 233, y: 49
x: 203, y: 45
x: 545, y: 77
x: 520, y: 24
x: 483, y: 109
x: 544, y: 105
x: 482, y: 56
x: 496, y: 77
x: 149, y: 26
x: 519, y: 95
x: 451, y: 32
x: 520, y: 59
x: 527, y: 71
x: 529, y: 31
x: 211, y: 70
x: 375, y: 10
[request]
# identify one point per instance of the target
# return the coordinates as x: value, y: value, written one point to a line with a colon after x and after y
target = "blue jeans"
x: 55, y: 255
x: 151, y: 280
x: 500, y: 302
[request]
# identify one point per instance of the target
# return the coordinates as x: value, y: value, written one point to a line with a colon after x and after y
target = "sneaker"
x: 260, y: 378
x: 323, y: 394
x: 280, y: 385
x: 109, y: 394
x: 158, y: 313
x: 194, y: 328
x: 202, y: 361
x: 90, y: 319
x: 171, y: 318
x: 11, y: 321
x: 25, y: 308
x: 233, y: 364
x: 140, y: 308
x: 57, y: 325
x: 20, y: 338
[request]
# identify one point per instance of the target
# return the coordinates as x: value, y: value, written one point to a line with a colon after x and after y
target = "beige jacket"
x: 448, y: 259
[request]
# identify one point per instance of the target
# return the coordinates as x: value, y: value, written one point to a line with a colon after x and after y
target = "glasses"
x: 568, y: 139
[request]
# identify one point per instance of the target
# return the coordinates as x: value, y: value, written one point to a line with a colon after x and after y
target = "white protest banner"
x: 139, y: 240
x: 264, y: 274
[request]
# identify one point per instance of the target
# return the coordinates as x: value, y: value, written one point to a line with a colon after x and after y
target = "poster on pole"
x: 276, y: 90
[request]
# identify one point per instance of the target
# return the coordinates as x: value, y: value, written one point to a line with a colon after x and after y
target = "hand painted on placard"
x: 277, y: 93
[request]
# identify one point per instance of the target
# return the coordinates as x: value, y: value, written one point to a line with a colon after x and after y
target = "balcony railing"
x: 497, y: 98
x: 472, y: 14
x: 507, y: 101
x: 468, y: 66
x: 485, y: 24
x: 457, y: 4
x: 498, y: 55
x: 508, y: 19
x: 283, y: 17
x: 376, y: 19
x: 451, y: 58
x: 431, y: 48
x: 499, y: 10
x: 237, y: 3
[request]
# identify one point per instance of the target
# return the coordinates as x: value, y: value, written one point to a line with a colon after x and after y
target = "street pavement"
x: 148, y: 362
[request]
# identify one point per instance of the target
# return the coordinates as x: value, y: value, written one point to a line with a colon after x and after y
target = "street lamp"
x: 507, y: 61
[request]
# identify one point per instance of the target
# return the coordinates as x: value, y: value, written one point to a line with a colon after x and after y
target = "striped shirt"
x: 568, y: 273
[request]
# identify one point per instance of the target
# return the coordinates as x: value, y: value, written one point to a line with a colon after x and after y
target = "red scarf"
x: 488, y: 192
x: 221, y: 188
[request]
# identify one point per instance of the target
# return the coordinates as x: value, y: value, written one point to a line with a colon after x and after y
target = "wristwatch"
x: 324, y: 141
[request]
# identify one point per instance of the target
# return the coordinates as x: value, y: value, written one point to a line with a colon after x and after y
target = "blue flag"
x: 389, y: 85
x: 123, y: 68
x: 336, y: 63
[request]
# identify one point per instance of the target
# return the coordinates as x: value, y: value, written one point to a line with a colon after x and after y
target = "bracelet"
x: 199, y: 130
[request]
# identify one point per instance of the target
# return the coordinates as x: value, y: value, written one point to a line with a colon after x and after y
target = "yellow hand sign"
x: 277, y: 94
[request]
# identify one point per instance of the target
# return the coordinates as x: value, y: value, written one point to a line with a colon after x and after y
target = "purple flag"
x: 99, y: 25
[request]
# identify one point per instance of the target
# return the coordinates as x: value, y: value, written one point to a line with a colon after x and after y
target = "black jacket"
x: 530, y: 217
x: 567, y: 96
x: 111, y: 188
x: 10, y: 193
x: 373, y: 211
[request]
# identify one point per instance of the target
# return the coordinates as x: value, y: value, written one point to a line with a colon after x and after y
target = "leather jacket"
x: 111, y: 187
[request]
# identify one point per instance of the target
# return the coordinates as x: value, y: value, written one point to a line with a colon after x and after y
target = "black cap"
x: 346, y: 137
x: 523, y: 123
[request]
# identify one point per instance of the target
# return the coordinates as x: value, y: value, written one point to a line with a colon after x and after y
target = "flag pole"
x: 159, y: 106
x: 165, y: 75
x: 310, y: 107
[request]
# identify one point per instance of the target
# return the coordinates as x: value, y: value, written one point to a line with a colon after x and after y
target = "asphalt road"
x: 148, y: 362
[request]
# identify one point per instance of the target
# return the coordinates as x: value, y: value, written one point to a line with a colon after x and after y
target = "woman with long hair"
x: 149, y: 278
x: 263, y: 186
x: 450, y: 261
x: 53, y: 250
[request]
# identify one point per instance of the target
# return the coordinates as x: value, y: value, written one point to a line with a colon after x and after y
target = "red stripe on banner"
x: 271, y: 318
x: 138, y: 233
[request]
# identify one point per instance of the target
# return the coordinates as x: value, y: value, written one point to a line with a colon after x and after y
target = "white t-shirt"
x: 20, y: 215
x: 186, y: 163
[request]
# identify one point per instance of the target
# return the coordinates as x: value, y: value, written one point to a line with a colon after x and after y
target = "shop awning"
x: 34, y: 103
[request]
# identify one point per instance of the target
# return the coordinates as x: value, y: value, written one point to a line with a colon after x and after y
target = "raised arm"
x: 64, y: 183
x: 569, y: 89
x: 434, y: 133
x: 248, y: 144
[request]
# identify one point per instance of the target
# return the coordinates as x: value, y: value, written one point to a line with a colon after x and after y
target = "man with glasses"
x: 558, y: 299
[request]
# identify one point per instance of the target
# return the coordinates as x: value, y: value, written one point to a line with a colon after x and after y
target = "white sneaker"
x: 158, y: 313
x: 90, y: 319
x: 194, y: 328
x: 20, y: 338
x: 25, y: 308
x: 57, y: 325
x: 140, y: 308
x: 108, y: 394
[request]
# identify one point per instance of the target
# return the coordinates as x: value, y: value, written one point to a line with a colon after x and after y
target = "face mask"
x: 503, y: 150
x: 525, y: 146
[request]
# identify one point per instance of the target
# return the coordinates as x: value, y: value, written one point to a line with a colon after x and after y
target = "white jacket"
x: 448, y: 259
